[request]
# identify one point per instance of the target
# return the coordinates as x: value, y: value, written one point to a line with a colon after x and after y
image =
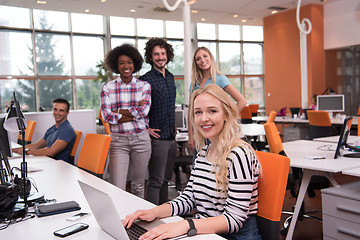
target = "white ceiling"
x: 214, y: 11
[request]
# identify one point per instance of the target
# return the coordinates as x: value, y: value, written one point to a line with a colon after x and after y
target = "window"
x: 51, y: 20
x: 59, y: 52
x: 88, y: 51
x: 16, y: 53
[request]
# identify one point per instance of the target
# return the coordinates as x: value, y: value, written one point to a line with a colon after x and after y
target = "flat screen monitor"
x: 180, y: 119
x: 331, y: 103
x: 5, y: 138
x: 344, y: 134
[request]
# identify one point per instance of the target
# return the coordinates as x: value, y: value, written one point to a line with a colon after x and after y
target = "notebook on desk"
x: 107, y: 216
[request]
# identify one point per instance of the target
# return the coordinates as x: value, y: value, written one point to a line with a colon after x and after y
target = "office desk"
x: 290, y: 120
x: 334, y: 139
x: 253, y: 130
x: 352, y: 172
x: 58, y: 179
x: 297, y: 151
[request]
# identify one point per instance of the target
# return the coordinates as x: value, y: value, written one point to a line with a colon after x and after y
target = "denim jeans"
x: 249, y: 231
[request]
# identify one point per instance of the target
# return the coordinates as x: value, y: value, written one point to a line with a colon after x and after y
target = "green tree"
x: 47, y: 65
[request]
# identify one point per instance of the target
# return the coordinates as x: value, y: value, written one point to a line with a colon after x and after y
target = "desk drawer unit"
x: 341, y: 211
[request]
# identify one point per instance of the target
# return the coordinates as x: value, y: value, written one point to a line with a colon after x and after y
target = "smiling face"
x: 203, y: 60
x: 159, y: 57
x: 126, y: 68
x: 60, y: 113
x: 209, y: 116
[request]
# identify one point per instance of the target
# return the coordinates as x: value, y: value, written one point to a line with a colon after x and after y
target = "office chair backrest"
x: 254, y: 109
x: 319, y: 124
x: 105, y: 124
x: 94, y: 152
x: 76, y: 143
x: 272, y: 116
x: 29, y: 131
x: 245, y: 115
x: 359, y: 111
x: 319, y: 118
x: 271, y: 192
x: 273, y: 138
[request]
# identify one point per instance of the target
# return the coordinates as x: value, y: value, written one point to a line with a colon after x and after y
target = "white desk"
x: 297, y: 150
x: 253, y: 129
x: 59, y: 180
x: 335, y: 139
x: 353, y: 172
x: 290, y: 120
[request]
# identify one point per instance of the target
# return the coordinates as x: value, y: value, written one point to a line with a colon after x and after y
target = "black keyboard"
x: 135, y: 231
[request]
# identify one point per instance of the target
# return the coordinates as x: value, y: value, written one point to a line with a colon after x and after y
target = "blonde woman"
x: 222, y: 188
x: 204, y: 72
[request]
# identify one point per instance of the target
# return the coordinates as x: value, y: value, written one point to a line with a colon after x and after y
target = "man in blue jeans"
x: 162, y: 128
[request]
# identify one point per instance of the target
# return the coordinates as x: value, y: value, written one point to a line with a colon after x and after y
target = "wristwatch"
x: 192, y: 231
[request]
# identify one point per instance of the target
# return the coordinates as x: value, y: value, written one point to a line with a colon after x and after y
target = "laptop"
x: 107, y: 217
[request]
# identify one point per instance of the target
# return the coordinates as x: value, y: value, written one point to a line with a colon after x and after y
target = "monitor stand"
x: 352, y: 155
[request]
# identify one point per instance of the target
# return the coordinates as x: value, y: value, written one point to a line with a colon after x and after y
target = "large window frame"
x: 108, y: 39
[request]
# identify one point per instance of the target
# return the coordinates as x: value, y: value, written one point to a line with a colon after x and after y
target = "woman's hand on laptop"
x: 145, y: 215
x: 167, y: 230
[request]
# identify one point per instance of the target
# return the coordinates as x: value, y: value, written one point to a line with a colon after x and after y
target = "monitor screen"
x: 5, y: 138
x: 344, y: 134
x: 331, y: 103
x: 180, y: 119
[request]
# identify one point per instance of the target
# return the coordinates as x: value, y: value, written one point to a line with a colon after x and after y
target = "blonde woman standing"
x: 222, y: 188
x: 204, y: 72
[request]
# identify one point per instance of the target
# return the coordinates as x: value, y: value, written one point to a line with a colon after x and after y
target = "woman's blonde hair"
x: 229, y: 137
x: 197, y: 73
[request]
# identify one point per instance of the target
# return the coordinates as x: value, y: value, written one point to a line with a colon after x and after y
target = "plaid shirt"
x: 162, y: 111
x: 116, y: 94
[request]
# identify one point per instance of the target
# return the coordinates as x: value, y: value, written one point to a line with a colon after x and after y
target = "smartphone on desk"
x: 67, y: 231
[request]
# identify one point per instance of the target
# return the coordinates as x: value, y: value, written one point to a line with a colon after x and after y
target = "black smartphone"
x: 77, y: 227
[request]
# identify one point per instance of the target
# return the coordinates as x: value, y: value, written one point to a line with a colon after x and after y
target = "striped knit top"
x: 235, y: 204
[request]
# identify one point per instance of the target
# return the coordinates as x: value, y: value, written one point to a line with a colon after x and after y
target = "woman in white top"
x: 222, y: 188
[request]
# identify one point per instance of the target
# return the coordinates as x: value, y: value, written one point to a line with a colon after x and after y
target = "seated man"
x: 59, y: 139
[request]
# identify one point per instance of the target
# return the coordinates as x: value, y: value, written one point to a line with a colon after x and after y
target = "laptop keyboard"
x: 135, y: 231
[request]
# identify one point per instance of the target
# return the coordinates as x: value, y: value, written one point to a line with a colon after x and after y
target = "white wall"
x: 341, y: 24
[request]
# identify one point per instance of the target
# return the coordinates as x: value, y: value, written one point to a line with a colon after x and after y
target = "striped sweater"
x: 235, y: 204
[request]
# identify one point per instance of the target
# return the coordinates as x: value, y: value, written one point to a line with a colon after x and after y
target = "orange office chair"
x: 316, y: 182
x: 76, y: 143
x: 319, y: 124
x: 359, y: 110
x: 94, y: 152
x: 245, y: 115
x: 105, y: 124
x: 254, y: 109
x: 272, y: 116
x: 29, y: 131
x: 271, y: 192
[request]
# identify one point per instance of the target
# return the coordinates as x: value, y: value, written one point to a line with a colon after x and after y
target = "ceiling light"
x: 243, y: 21
x: 194, y: 11
x: 103, y: 1
x: 41, y: 2
x: 203, y: 19
x: 87, y: 10
x: 132, y: 10
x: 274, y: 11
x: 191, y: 2
x: 235, y: 16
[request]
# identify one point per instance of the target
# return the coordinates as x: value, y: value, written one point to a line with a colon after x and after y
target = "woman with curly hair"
x: 222, y: 189
x: 125, y: 104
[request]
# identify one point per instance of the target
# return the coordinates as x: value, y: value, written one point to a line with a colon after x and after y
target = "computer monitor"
x: 331, y: 103
x: 5, y: 138
x: 180, y: 119
x: 344, y: 134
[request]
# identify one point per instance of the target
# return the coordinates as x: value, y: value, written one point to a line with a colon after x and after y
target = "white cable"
x: 305, y: 20
x: 173, y: 8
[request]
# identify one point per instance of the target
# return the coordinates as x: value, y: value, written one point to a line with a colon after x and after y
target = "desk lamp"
x: 15, y: 122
